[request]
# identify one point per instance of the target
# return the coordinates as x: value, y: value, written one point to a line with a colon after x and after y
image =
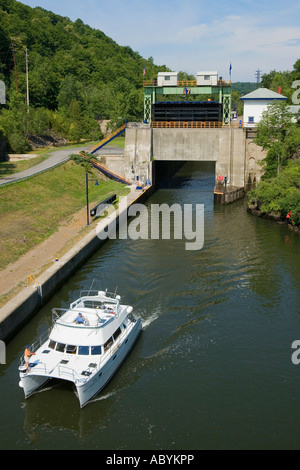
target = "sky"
x: 197, y: 35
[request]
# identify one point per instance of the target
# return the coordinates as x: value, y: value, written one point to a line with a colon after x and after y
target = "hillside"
x: 243, y: 88
x: 77, y: 75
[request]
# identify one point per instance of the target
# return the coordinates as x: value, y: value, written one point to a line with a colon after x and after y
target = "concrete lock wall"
x: 138, y: 153
x: 185, y: 144
x: 236, y: 156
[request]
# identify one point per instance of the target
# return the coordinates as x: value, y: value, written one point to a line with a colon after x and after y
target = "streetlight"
x: 87, y: 179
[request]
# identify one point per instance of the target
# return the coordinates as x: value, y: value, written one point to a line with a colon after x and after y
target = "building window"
x: 167, y: 77
x: 251, y: 119
x: 206, y: 77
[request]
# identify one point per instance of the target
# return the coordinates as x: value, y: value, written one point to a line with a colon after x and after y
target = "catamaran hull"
x: 31, y: 383
x: 102, y: 377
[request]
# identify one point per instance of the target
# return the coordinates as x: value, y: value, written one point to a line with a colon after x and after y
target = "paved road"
x: 55, y: 158
x: 109, y: 151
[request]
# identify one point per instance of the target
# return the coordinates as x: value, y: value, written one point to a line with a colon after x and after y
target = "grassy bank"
x: 117, y: 142
x: 33, y: 209
x: 10, y: 168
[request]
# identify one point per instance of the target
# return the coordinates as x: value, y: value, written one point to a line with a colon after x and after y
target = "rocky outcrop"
x: 51, y: 140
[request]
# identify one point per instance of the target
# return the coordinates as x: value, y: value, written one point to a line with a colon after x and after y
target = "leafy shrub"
x: 281, y: 194
x: 84, y: 160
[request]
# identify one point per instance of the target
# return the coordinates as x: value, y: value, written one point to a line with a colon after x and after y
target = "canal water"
x: 213, y: 366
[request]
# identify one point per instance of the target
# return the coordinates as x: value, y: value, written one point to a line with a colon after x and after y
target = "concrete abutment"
x: 236, y: 157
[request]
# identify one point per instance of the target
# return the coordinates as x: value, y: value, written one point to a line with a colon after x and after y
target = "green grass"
x: 33, y: 209
x: 117, y: 142
x: 9, y: 168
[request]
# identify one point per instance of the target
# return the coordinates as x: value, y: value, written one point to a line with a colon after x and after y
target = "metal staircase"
x: 108, y: 139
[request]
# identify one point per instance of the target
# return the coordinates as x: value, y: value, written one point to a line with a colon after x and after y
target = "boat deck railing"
x: 37, y: 343
x: 93, y: 315
x: 95, y: 293
x: 63, y: 371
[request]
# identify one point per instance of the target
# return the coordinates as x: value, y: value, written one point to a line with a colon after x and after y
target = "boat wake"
x: 103, y: 397
x: 151, y: 319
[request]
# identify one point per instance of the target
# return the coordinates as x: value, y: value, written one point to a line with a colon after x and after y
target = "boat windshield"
x: 71, y: 349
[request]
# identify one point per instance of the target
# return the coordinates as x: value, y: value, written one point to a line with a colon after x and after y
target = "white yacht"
x: 85, y: 345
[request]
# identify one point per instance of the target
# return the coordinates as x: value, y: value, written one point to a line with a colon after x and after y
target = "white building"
x: 208, y: 78
x: 167, y: 78
x: 256, y: 102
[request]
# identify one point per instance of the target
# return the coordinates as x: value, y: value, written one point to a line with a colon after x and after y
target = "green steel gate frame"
x: 223, y: 91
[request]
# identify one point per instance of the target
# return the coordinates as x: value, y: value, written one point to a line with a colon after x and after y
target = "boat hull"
x: 91, y: 388
x: 88, y: 389
x: 31, y: 383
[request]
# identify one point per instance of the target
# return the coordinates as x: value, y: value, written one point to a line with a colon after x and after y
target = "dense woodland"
x: 77, y: 77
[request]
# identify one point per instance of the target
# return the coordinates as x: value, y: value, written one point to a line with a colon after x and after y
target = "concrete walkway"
x: 56, y: 157
x: 110, y: 151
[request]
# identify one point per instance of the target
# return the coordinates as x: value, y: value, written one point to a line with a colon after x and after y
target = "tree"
x: 236, y: 103
x: 77, y: 76
x: 279, y: 135
x: 284, y: 80
x: 281, y: 194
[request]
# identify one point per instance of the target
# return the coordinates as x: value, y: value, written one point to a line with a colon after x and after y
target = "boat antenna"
x: 91, y: 286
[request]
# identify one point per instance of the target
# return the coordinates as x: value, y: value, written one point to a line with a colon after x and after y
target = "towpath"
x: 56, y: 157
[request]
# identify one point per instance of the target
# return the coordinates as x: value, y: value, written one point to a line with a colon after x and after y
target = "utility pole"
x: 15, y: 65
x: 27, y: 82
